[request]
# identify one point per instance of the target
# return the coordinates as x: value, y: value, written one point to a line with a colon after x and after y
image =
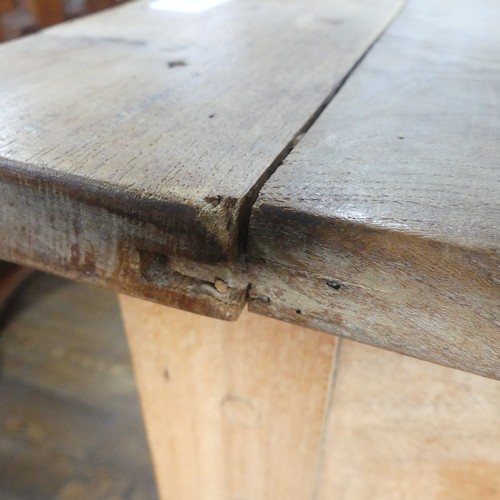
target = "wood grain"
x: 402, y: 428
x: 138, y: 130
x: 390, y: 204
x: 233, y: 410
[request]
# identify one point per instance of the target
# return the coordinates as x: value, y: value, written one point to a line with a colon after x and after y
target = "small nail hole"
x: 176, y: 63
x: 298, y: 311
x: 334, y: 284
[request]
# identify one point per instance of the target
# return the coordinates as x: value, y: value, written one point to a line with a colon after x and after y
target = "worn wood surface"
x: 233, y: 410
x: 151, y: 130
x: 390, y: 204
x: 131, y: 159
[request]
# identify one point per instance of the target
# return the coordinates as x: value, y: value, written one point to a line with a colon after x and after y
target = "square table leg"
x: 260, y: 409
x: 232, y: 410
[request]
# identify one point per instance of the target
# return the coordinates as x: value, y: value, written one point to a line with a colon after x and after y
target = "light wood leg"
x: 233, y: 410
x: 401, y: 428
x: 259, y: 410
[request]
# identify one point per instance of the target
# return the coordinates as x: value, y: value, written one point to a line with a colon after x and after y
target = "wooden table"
x: 331, y: 164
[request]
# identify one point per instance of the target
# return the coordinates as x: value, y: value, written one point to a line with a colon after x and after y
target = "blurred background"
x: 21, y: 17
x: 70, y: 421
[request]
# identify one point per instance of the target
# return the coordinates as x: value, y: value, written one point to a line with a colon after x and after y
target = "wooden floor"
x: 70, y: 422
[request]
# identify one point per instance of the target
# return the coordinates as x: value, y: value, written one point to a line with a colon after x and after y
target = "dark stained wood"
x: 5, y: 6
x: 46, y: 12
x: 11, y: 278
x: 27, y: 16
x: 16, y: 22
x: 94, y: 5
x: 383, y: 224
x: 136, y: 135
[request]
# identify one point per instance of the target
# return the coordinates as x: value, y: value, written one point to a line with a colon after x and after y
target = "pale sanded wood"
x: 390, y: 204
x: 138, y: 130
x: 258, y: 409
x: 402, y: 428
x: 233, y: 410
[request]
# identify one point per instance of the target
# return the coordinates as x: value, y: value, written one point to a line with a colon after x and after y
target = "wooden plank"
x: 401, y: 428
x: 136, y: 135
x: 390, y: 204
x: 233, y: 410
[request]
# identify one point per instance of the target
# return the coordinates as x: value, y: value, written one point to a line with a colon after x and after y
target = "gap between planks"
x: 253, y: 193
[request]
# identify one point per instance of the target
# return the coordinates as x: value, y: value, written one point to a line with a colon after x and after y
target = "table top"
x: 393, y: 196
x: 177, y: 117
x: 290, y: 154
